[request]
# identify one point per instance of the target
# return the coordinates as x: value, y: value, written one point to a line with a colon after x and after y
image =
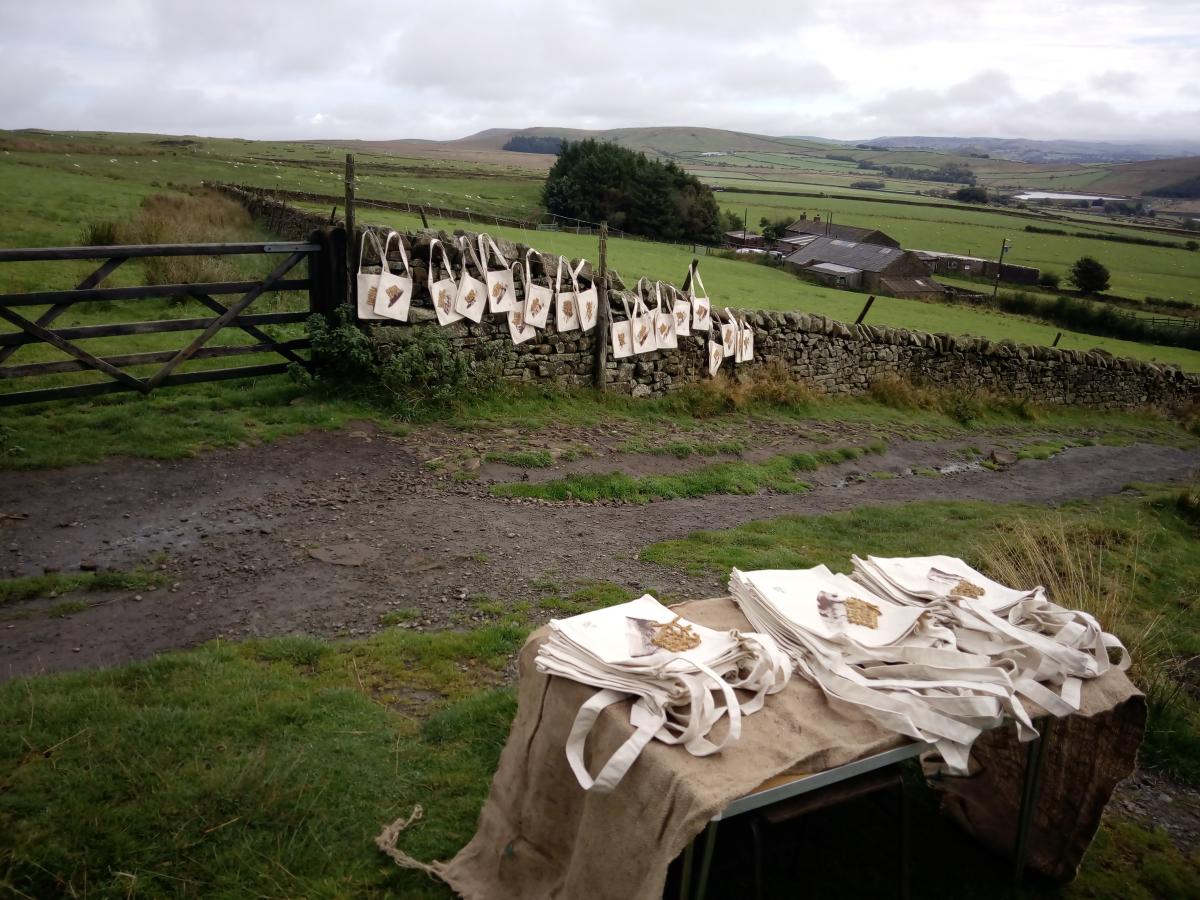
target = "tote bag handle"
x: 491, y: 245
x: 575, y: 274
x: 468, y: 248
x: 696, y: 280
x: 403, y: 255
x: 558, y: 275
x: 367, y: 233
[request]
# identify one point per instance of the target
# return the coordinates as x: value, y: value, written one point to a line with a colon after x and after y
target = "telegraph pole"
x: 1004, y: 247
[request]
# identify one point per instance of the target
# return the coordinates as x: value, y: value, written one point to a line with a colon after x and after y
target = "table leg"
x: 710, y: 842
x: 1030, y: 787
x: 685, y: 873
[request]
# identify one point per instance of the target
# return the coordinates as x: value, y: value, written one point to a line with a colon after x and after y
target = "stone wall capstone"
x: 837, y: 358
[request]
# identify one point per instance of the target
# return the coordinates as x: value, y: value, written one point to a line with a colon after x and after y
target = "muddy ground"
x: 327, y: 533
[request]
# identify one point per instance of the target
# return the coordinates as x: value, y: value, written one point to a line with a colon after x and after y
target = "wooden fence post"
x: 351, y: 243
x: 600, y: 332
x: 866, y: 309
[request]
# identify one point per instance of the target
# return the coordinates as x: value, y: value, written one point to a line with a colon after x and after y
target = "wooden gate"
x: 320, y: 282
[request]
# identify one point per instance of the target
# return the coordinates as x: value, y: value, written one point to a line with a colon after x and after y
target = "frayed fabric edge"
x: 386, y: 842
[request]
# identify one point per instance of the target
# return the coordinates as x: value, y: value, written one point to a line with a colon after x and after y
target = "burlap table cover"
x: 541, y: 836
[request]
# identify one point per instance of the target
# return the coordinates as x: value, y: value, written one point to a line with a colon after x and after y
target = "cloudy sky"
x: 837, y: 68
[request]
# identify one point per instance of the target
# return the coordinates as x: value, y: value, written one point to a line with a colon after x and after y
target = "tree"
x: 971, y: 195
x: 773, y: 231
x: 596, y: 181
x: 731, y: 221
x: 1089, y: 275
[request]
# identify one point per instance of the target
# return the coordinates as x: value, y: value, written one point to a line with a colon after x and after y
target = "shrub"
x: 1050, y: 280
x: 422, y: 367
x: 1089, y: 275
x: 100, y: 234
x: 340, y: 350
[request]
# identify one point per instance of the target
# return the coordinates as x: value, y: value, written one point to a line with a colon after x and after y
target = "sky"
x: 843, y: 69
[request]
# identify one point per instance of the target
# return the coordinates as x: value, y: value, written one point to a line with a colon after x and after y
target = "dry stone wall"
x: 837, y: 358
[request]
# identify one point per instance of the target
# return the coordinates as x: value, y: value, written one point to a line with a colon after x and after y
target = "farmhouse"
x: 976, y: 267
x: 804, y: 228
x: 869, y: 267
x: 742, y: 238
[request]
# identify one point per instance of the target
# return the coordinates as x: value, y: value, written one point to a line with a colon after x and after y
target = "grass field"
x: 266, y: 768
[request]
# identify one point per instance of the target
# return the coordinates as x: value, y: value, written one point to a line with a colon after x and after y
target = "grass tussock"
x: 967, y: 408
x: 771, y: 387
x: 52, y: 584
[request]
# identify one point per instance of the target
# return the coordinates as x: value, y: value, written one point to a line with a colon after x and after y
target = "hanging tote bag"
x: 664, y: 322
x: 701, y: 306
x: 518, y: 329
x: 469, y: 302
x: 443, y: 291
x: 729, y: 333
x: 587, y: 301
x: 682, y: 310
x: 620, y: 333
x: 645, y: 340
x: 502, y: 291
x: 394, y: 295
x: 745, y: 347
x: 566, y: 303
x: 537, y: 298
x: 368, y: 282
x: 716, y: 356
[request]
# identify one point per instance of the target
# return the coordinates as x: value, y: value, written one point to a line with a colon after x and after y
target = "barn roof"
x: 868, y: 257
x: 842, y: 232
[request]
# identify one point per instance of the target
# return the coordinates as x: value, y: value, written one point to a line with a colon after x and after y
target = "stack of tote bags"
x: 683, y: 676
x: 917, y: 645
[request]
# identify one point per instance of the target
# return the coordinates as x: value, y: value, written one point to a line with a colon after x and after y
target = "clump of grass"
x: 771, y: 387
x: 777, y: 473
x: 967, y: 408
x: 522, y: 459
x: 14, y: 590
x: 100, y: 234
x: 1077, y: 567
x: 396, y: 616
x: 67, y: 608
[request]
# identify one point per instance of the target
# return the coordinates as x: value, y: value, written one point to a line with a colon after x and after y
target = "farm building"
x: 869, y: 267
x: 976, y: 267
x: 805, y: 227
x: 744, y: 239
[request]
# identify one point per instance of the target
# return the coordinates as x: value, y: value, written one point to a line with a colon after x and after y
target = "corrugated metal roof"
x: 868, y: 257
x: 835, y: 269
x: 845, y: 232
x: 900, y: 285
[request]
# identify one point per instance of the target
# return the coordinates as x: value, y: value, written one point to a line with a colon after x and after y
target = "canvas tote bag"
x: 745, y: 347
x: 469, y: 302
x: 682, y: 310
x: 588, y: 301
x: 701, y: 306
x: 621, y: 334
x: 518, y: 329
x: 394, y: 295
x: 443, y: 291
x: 502, y: 291
x: 729, y: 333
x: 642, y: 325
x: 716, y: 356
x: 566, y: 303
x: 664, y: 321
x: 537, y: 298
x: 368, y: 282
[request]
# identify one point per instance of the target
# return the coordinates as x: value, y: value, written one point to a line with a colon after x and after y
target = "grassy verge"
x: 777, y: 474
x: 266, y: 768
x: 52, y: 584
x: 1141, y: 568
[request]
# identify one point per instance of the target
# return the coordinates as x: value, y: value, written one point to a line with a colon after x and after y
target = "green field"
x: 52, y: 187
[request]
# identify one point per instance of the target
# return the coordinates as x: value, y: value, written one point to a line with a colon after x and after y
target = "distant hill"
x: 668, y: 141
x: 1023, y: 150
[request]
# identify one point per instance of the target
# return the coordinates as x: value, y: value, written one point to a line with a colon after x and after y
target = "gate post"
x: 327, y: 272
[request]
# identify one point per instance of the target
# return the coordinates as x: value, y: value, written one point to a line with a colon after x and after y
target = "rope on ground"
x: 386, y: 841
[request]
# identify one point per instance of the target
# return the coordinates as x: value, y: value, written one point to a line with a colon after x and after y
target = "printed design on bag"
x: 394, y: 294
x: 536, y: 303
x: 701, y: 312
x: 727, y: 336
x: 679, y: 316
x: 568, y: 308
x: 518, y: 321
x: 621, y: 339
x: 965, y: 588
x: 499, y: 289
x: 717, y: 356
x: 589, y: 310
x: 444, y: 300
x: 643, y: 334
x: 862, y: 612
x: 372, y: 293
x: 470, y: 298
x: 831, y: 607
x: 676, y: 637
x: 664, y: 328
x: 641, y: 636
x: 746, y: 338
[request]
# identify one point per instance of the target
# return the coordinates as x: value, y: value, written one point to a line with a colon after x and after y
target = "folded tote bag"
x: 394, y: 294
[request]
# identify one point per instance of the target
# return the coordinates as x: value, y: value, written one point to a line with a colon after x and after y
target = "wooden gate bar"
x: 220, y: 308
x: 67, y: 347
x: 128, y: 251
x: 221, y: 321
x: 144, y: 292
x: 93, y: 280
x: 81, y: 332
x: 32, y: 370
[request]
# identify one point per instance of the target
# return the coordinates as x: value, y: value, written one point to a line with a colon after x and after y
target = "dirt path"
x: 234, y: 530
